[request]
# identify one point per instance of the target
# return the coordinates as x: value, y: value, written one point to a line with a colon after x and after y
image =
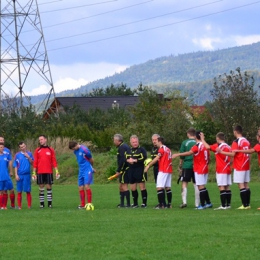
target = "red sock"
x: 19, y: 199
x: 29, y: 199
x: 89, y: 195
x: 1, y: 200
x: 82, y: 198
x: 5, y: 198
x: 12, y: 198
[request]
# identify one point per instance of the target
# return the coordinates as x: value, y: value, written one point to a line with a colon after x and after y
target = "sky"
x: 90, y: 40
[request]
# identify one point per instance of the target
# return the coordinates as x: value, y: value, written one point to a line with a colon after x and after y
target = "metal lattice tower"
x: 24, y: 58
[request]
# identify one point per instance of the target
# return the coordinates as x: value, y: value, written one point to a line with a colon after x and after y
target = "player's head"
x: 22, y: 146
x: 2, y: 146
x: 155, y: 139
x: 118, y: 139
x: 220, y: 137
x: 197, y: 135
x: 42, y: 140
x: 134, y: 141
x: 191, y: 133
x: 237, y: 130
x: 73, y: 145
x: 2, y: 139
x: 258, y: 136
x: 160, y: 141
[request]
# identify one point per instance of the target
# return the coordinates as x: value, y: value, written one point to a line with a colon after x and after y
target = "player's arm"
x: 175, y: 155
x: 249, y: 151
x: 10, y: 166
x: 202, y: 138
x: 29, y: 157
x: 16, y: 174
x: 154, y: 161
x: 122, y: 160
x: 231, y: 154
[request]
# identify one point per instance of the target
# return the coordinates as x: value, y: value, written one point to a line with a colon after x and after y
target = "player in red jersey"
x: 223, y: 170
x: 241, y: 165
x: 200, y: 167
x: 164, y: 176
x: 255, y: 149
x: 44, y: 162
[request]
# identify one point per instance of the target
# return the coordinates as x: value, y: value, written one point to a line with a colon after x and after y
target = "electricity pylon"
x: 24, y: 60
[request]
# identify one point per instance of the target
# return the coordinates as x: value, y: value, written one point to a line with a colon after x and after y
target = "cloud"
x: 206, y: 42
x: 243, y: 40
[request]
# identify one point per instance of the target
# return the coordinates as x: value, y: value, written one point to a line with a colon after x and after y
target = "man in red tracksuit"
x: 44, y: 162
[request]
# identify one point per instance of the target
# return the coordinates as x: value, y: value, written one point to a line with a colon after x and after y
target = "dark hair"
x: 161, y: 139
x: 43, y: 136
x: 72, y: 144
x: 221, y: 136
x: 20, y: 143
x: 198, y: 134
x: 238, y: 129
x: 191, y: 131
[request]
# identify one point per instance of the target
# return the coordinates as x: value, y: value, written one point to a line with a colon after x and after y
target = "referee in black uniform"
x: 121, y: 171
x: 136, y: 156
x: 154, y: 153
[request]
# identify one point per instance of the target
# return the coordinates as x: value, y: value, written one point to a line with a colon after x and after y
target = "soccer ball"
x: 147, y: 161
x: 89, y: 206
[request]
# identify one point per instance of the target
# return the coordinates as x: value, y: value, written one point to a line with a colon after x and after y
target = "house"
x: 88, y: 103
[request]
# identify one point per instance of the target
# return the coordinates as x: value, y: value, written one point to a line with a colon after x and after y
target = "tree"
x: 236, y: 102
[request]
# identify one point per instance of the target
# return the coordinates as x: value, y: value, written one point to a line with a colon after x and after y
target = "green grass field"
x: 65, y: 232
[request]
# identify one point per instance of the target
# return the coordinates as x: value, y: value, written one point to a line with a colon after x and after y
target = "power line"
x: 157, y: 27
x: 50, y: 2
x: 74, y: 7
x: 138, y: 21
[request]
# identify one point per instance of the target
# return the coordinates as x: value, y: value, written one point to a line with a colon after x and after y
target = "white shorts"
x: 201, y: 179
x: 164, y: 180
x: 223, y: 179
x: 241, y: 176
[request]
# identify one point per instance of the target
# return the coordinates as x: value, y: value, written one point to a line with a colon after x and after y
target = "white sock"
x: 184, y: 195
x: 197, y: 195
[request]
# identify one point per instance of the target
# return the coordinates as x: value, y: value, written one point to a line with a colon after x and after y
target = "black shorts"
x: 137, y: 175
x: 155, y: 172
x: 45, y: 178
x: 124, y: 177
x: 187, y: 175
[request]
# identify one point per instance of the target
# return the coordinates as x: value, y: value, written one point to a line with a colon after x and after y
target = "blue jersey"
x: 22, y: 163
x: 4, y: 163
x: 83, y: 156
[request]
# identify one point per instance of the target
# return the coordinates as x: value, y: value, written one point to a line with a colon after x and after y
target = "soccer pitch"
x: 65, y: 232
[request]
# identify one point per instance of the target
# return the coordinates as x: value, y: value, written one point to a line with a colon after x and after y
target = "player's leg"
x: 207, y: 198
x: 168, y: 190
x: 160, y: 187
x: 143, y: 189
x: 10, y: 188
x: 133, y: 187
x: 228, y: 192
x: 2, y: 185
x: 222, y: 182
x: 184, y: 179
x: 27, y: 189
x: 49, y: 182
x: 126, y: 194
x: 88, y: 180
x: 246, y: 184
x: 81, y: 191
x: 40, y: 182
x: 196, y: 190
x: 19, y: 189
x: 239, y: 178
x: 121, y: 190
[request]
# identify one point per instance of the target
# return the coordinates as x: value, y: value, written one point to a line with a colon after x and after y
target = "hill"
x: 187, y: 72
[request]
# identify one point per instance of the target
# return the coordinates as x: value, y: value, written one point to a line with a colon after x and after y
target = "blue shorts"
x: 24, y: 184
x: 85, y: 178
x: 3, y: 185
x: 9, y: 184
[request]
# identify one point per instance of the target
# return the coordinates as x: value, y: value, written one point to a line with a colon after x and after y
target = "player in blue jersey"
x: 22, y: 167
x: 4, y: 175
x: 85, y: 178
x: 9, y: 185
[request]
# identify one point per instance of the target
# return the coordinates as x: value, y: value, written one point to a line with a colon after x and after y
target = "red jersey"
x: 200, y: 158
x: 222, y: 161
x: 241, y: 160
x: 44, y: 159
x: 257, y: 149
x: 165, y: 161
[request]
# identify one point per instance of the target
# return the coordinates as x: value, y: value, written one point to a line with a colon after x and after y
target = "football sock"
x: 161, y: 197
x: 29, y: 199
x: 89, y: 195
x: 82, y: 198
x: 135, y: 196
x: 5, y: 198
x: 202, y: 197
x: 41, y: 196
x: 207, y: 196
x: 12, y: 198
x: 49, y: 196
x: 248, y: 196
x: 19, y: 199
x: 144, y: 196
x: 1, y: 200
x: 228, y: 197
x: 184, y: 195
x: 121, y: 194
x: 169, y: 196
x: 243, y: 196
x: 197, y: 195
x: 223, y: 196
x: 127, y: 195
